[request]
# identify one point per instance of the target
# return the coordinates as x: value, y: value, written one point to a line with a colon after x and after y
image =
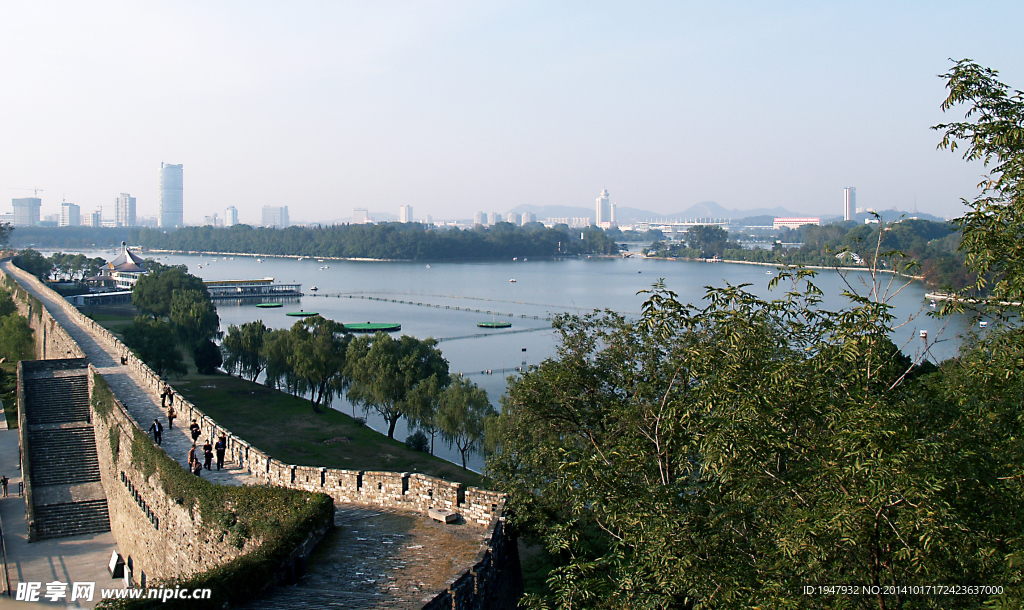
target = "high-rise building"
x: 124, y: 211
x: 360, y: 216
x: 70, y: 215
x: 493, y: 218
x: 171, y: 207
x: 405, y: 213
x: 275, y: 216
x: 230, y: 216
x: 96, y: 219
x: 849, y: 202
x: 529, y: 217
x: 605, y: 210
x: 213, y: 221
x: 478, y: 219
x: 513, y: 218
x: 26, y: 211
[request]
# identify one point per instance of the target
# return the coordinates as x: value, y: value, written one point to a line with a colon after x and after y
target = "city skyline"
x: 746, y: 105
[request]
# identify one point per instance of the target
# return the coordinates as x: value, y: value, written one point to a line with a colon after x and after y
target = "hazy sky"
x: 454, y: 107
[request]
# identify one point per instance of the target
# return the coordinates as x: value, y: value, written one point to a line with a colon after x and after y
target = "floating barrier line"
x: 435, y: 306
x: 507, y: 332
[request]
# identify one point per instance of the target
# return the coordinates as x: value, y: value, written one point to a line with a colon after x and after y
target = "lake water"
x: 347, y: 291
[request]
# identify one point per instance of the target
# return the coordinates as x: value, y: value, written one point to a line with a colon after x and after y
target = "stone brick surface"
x: 139, y: 509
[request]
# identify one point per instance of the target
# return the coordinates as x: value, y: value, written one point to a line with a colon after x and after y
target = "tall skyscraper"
x: 96, y: 219
x: 478, y: 218
x: 275, y: 216
x: 70, y: 215
x: 405, y: 213
x: 124, y: 211
x: 605, y: 210
x: 849, y: 202
x: 513, y: 218
x: 360, y: 216
x: 26, y: 211
x: 493, y: 218
x: 171, y: 207
x: 230, y: 216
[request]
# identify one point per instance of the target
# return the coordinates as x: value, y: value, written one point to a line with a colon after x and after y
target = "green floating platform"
x: 268, y: 305
x: 301, y: 314
x: 494, y: 324
x: 372, y: 327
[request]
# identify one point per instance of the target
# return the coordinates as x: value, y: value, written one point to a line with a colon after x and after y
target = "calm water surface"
x: 542, y: 289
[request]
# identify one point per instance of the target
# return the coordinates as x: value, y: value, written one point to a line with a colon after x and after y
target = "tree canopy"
x: 383, y: 372
x: 725, y: 454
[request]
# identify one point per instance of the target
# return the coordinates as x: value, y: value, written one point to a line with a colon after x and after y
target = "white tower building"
x: 124, y: 211
x: 405, y: 213
x: 849, y: 202
x: 70, y: 215
x: 230, y: 216
x: 171, y: 207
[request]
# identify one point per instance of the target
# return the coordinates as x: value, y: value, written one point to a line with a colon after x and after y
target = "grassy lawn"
x: 287, y: 428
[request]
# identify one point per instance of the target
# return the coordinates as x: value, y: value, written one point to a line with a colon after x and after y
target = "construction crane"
x: 35, y: 192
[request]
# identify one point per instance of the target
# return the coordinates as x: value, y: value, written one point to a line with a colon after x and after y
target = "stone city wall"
x: 156, y: 534
x: 406, y: 491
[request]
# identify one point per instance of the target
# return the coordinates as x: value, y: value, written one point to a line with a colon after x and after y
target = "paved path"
x: 67, y: 560
x: 377, y: 558
x: 142, y: 403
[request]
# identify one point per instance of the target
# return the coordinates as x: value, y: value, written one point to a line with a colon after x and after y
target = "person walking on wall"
x: 171, y: 414
x: 221, y: 447
x: 163, y: 396
x: 195, y: 431
x: 157, y: 429
x: 207, y: 454
x: 3, y: 483
x: 192, y: 456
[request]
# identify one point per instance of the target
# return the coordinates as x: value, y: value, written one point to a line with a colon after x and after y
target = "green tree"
x: 383, y: 371
x: 16, y: 338
x: 993, y: 134
x: 7, y: 305
x: 207, y: 357
x: 35, y: 263
x: 716, y: 456
x: 6, y: 229
x: 278, y: 351
x: 243, y: 349
x: 710, y: 240
x: 318, y: 358
x: 462, y: 411
x: 153, y: 341
x: 193, y: 316
x: 155, y: 291
x: 422, y: 405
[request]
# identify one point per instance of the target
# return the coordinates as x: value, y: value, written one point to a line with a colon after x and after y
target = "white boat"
x: 767, y: 272
x: 983, y: 324
x: 319, y: 260
x: 512, y: 281
x: 313, y: 288
x: 259, y: 260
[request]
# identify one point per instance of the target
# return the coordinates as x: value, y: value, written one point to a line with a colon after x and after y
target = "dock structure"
x: 240, y: 289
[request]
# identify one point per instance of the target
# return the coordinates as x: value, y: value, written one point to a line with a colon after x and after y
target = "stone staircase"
x: 72, y: 519
x: 63, y: 456
x: 67, y: 496
x: 57, y: 400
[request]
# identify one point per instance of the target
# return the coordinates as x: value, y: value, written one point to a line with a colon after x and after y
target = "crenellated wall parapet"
x: 140, y: 507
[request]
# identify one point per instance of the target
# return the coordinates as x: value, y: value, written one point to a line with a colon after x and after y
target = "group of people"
x: 195, y: 465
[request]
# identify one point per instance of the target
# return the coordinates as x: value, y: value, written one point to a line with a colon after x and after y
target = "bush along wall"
x: 177, y: 530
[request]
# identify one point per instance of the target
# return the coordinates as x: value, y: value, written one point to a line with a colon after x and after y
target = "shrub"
x: 417, y: 441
